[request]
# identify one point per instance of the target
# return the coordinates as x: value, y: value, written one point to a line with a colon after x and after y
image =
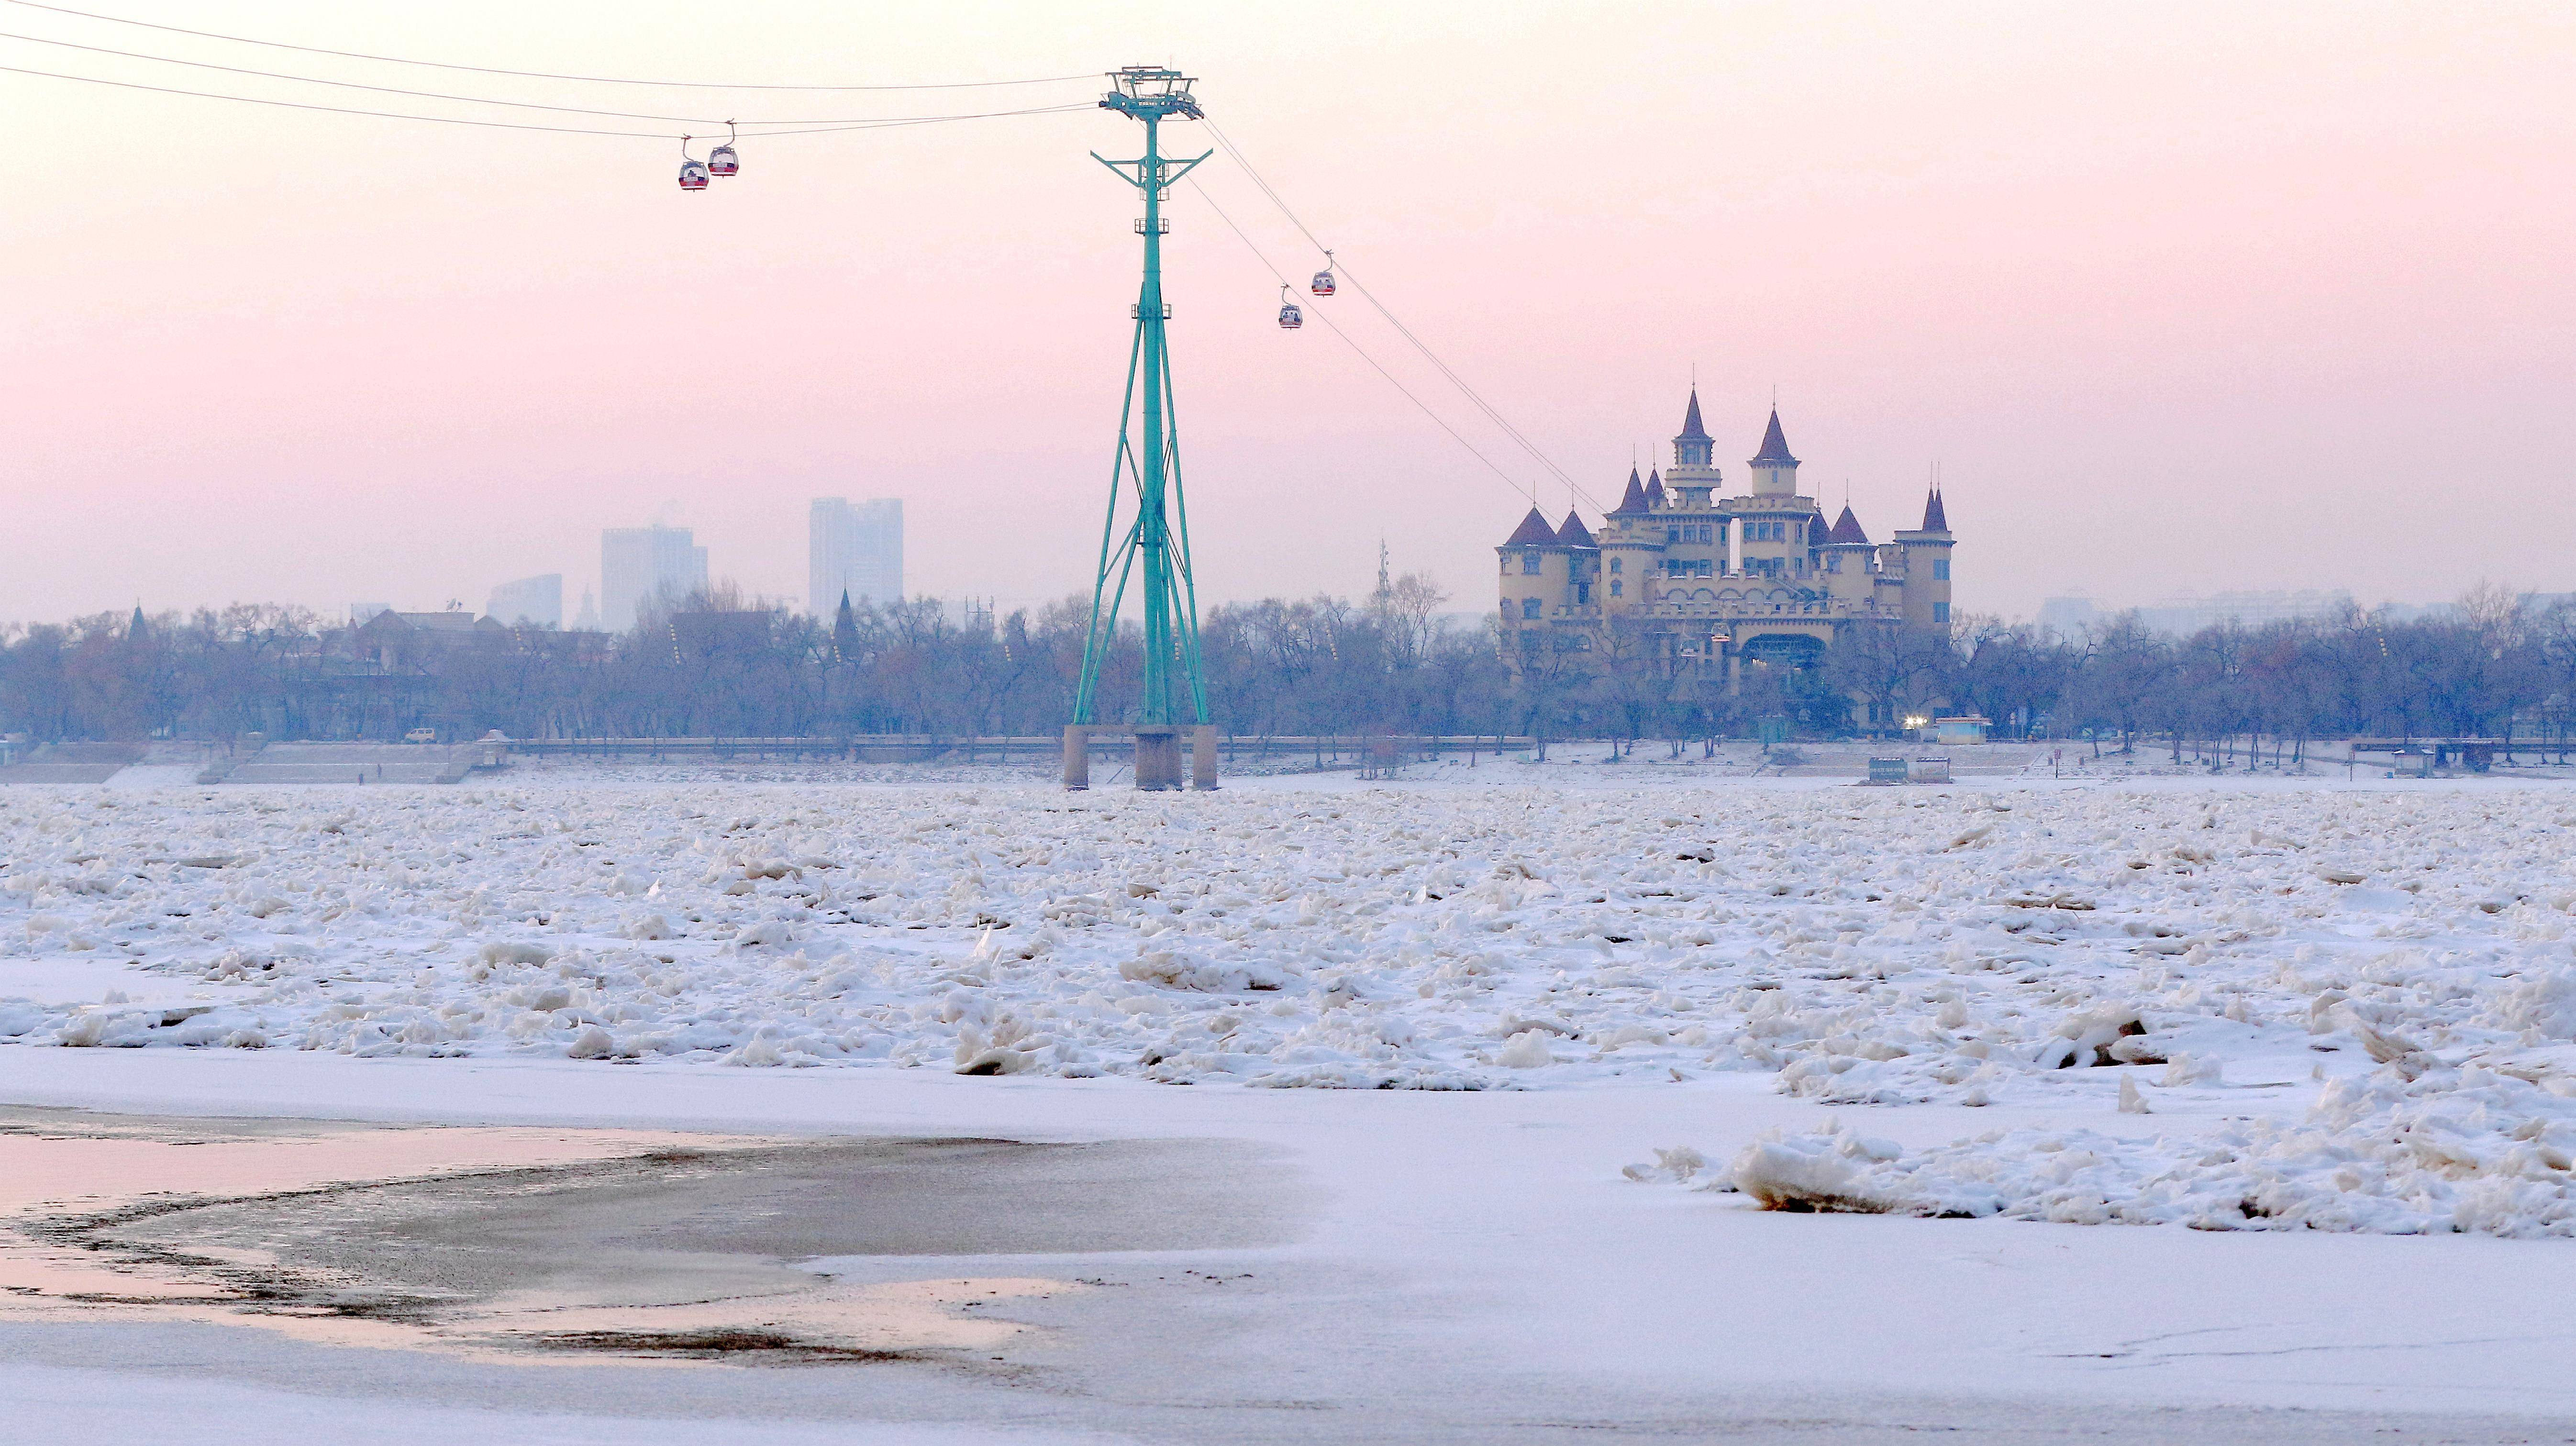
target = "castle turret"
x: 1694, y: 475
x: 1776, y: 529
x: 1632, y: 540
x: 1530, y: 586
x: 1775, y: 472
x: 1845, y: 558
x: 1633, y: 501
x: 1694, y: 447
x: 1582, y: 560
x: 1925, y: 560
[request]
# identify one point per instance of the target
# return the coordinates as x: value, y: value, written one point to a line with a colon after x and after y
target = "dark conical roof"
x: 1533, y: 532
x: 1574, y: 533
x: 1655, y: 486
x: 1846, y: 529
x: 1692, y: 431
x: 1775, y: 447
x: 1934, y: 520
x: 845, y: 631
x: 1634, y: 500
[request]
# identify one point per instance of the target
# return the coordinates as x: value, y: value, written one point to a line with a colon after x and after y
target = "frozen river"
x: 1508, y: 1070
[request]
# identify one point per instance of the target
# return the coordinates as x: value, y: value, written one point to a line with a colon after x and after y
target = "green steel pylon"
x: 1149, y: 444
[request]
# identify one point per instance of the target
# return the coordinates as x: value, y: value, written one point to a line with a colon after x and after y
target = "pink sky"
x: 2182, y: 297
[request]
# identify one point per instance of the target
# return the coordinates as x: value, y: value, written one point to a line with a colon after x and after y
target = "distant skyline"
x: 853, y: 550
x: 2181, y: 299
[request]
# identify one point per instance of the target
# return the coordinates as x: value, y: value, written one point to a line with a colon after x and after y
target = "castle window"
x: 1707, y: 531
x: 1941, y: 569
x: 1617, y: 564
x: 1941, y: 614
x: 1833, y: 562
x: 1616, y: 587
x: 1529, y: 562
x: 1529, y: 608
x: 1672, y: 534
x: 1704, y: 567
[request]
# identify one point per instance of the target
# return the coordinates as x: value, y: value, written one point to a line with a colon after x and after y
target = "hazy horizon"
x: 2180, y: 300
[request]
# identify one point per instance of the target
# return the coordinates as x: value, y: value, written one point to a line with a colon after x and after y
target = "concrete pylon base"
x: 1158, y: 757
x: 1203, y: 757
x: 1077, y: 757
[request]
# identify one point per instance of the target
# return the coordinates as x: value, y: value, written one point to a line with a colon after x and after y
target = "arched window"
x: 1618, y: 564
x: 1615, y: 587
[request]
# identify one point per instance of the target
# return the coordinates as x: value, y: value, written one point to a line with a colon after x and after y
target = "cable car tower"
x: 1157, y: 536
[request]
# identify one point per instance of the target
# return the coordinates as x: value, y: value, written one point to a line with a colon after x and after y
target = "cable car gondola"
x: 1290, y: 318
x: 1324, y: 278
x: 693, y: 173
x: 722, y: 161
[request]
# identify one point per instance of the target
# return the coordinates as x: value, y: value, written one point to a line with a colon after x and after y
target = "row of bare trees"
x: 716, y: 664
x: 2494, y: 666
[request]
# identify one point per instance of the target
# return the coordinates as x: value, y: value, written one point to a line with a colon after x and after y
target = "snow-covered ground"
x: 2246, y: 1006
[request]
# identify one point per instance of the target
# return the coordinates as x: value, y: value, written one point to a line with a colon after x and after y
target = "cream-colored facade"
x: 1700, y: 578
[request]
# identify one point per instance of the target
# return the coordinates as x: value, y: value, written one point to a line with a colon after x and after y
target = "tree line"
x: 715, y: 664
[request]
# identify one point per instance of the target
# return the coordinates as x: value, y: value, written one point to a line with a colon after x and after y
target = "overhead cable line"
x: 1343, y: 269
x: 450, y: 120
x: 1250, y: 245
x: 540, y: 74
x: 443, y: 95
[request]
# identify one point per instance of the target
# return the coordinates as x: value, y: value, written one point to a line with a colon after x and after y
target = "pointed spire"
x: 1934, y: 519
x: 1846, y: 529
x: 1692, y: 431
x: 1775, y: 447
x: 845, y: 631
x: 135, y: 628
x: 1533, y: 532
x: 1634, y: 500
x: 1655, y: 487
x: 1574, y: 533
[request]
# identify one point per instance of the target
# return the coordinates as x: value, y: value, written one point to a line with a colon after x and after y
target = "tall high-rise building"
x: 639, y: 566
x: 857, y: 547
x: 529, y: 602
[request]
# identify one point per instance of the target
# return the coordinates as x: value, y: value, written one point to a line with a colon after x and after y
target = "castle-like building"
x: 1701, y: 582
